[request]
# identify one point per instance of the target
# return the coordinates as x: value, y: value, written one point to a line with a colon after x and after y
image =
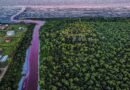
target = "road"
x: 31, y: 80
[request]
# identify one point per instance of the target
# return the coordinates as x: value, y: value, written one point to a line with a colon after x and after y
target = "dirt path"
x: 3, y: 72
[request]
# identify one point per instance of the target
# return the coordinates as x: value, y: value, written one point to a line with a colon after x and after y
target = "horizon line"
x: 127, y: 5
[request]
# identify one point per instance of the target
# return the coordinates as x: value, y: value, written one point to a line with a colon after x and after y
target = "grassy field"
x: 10, y: 47
x: 85, y: 54
x: 16, y: 49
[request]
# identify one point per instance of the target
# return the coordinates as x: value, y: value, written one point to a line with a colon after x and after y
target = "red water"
x: 31, y: 81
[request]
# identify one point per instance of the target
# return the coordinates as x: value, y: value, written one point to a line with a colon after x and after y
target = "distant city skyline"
x: 61, y: 2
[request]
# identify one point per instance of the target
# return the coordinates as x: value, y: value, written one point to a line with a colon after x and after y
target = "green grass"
x: 13, y: 75
x: 10, y: 47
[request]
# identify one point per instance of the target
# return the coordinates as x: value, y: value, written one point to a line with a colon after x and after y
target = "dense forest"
x: 85, y: 54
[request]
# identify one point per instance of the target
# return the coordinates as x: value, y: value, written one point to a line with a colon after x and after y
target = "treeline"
x: 89, y: 19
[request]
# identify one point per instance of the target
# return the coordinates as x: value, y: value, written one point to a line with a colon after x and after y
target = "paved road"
x: 31, y: 80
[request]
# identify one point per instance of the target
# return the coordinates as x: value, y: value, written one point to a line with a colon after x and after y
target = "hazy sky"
x: 47, y: 2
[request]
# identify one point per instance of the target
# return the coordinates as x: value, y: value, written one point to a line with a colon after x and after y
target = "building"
x: 22, y: 28
x: 10, y: 33
x: 4, y: 58
x: 8, y: 39
x: 3, y: 26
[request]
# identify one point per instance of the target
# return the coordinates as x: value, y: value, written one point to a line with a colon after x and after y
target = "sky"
x: 55, y: 2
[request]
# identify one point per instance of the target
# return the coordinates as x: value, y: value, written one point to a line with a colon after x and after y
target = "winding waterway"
x: 31, y: 80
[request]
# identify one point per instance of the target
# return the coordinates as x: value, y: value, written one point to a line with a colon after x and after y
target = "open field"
x: 85, y: 54
x: 10, y: 47
x: 16, y: 50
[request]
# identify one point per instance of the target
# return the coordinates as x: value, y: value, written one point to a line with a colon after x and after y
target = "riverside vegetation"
x: 13, y: 75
